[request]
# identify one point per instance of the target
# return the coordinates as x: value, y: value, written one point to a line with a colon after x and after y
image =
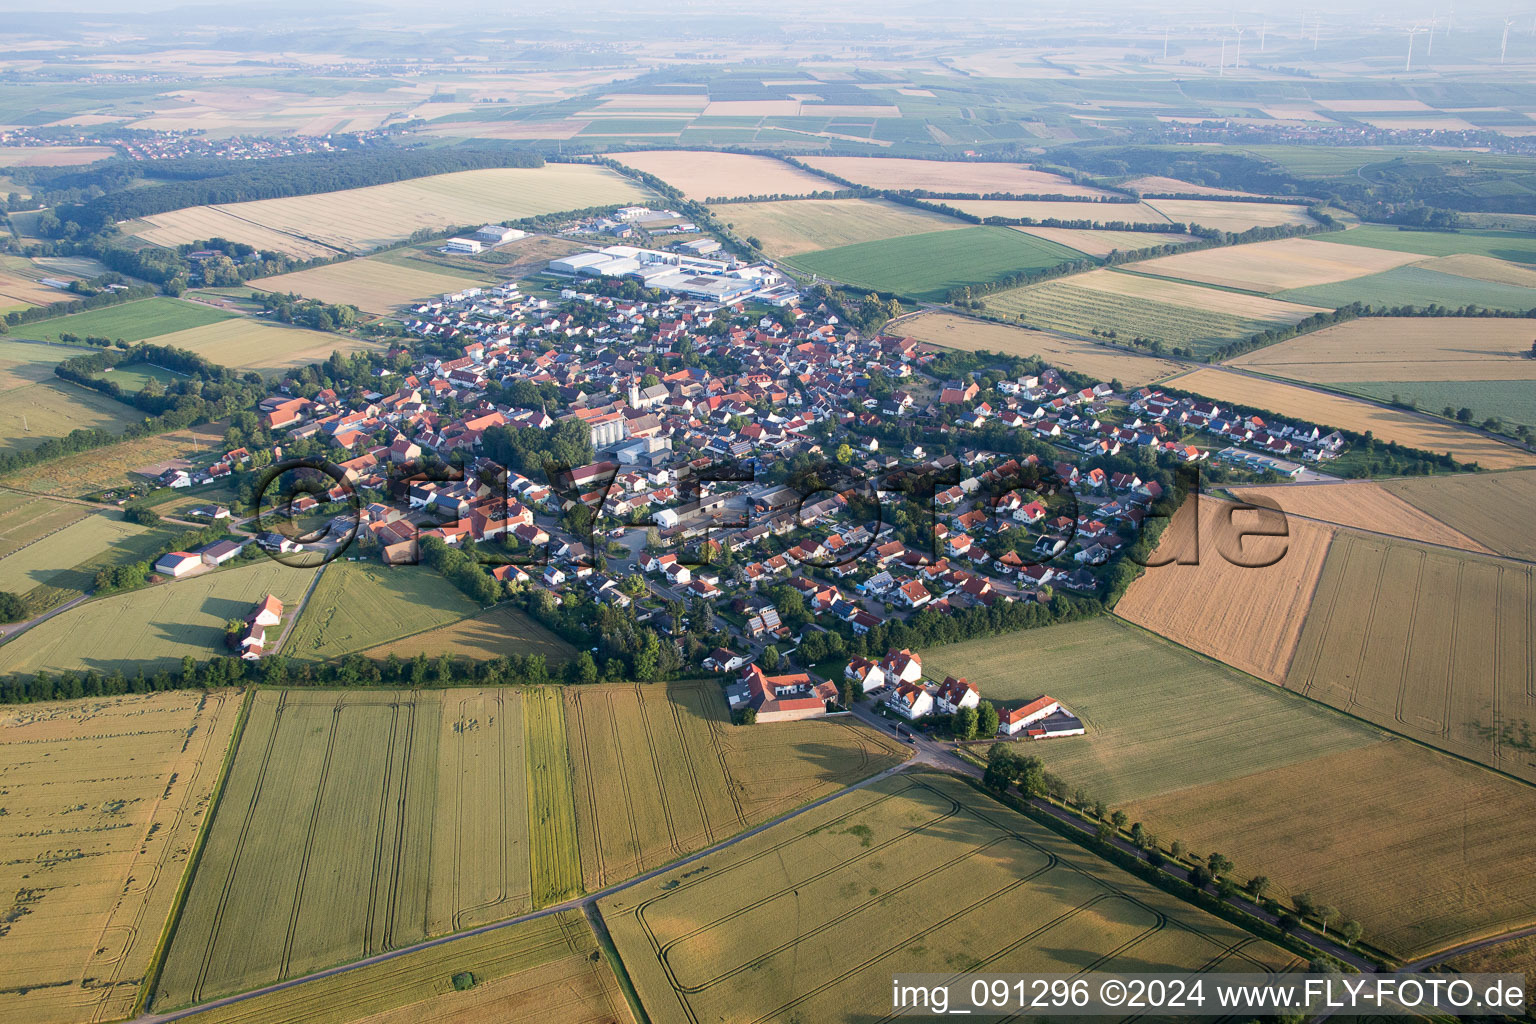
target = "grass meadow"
x: 1515, y: 246
x: 63, y: 565
x: 1415, y: 286
x: 360, y: 605
x: 131, y: 321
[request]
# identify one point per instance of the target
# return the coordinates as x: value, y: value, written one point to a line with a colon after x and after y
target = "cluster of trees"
x: 528, y: 449
x: 95, y: 300
x: 462, y: 568
x: 312, y: 313
x: 131, y: 575
x: 12, y: 607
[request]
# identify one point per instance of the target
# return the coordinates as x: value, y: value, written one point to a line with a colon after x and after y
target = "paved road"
x: 15, y: 629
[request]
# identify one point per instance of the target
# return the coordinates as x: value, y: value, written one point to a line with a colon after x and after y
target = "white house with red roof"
x: 955, y: 694
x: 1011, y: 722
x: 786, y: 698
x: 911, y: 701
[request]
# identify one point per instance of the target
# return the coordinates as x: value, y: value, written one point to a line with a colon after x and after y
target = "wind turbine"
x: 1504, y: 42
x: 1317, y: 30
x: 1165, y: 43
x: 1239, y: 61
x: 1429, y: 51
x: 1221, y: 68
x: 1408, y: 64
x: 1263, y: 31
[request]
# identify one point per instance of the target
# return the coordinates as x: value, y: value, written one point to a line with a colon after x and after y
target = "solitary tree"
x: 1119, y: 818
x: 964, y: 726
x: 1352, y: 930
x: 1326, y: 913
x: 1258, y: 885
x: 1303, y: 904
x: 986, y: 720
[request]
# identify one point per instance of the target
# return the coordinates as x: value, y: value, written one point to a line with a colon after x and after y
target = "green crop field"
x: 1516, y: 246
x: 152, y: 629
x: 1101, y: 668
x: 134, y: 376
x: 555, y: 855
x: 113, y: 466
x: 1513, y: 401
x: 545, y: 971
x: 52, y: 408
x: 808, y: 920
x: 1067, y: 307
x: 131, y: 321
x: 63, y: 565
x: 358, y: 605
x: 928, y: 265
x: 26, y: 518
x: 661, y: 772
x: 502, y: 630
x: 1415, y: 286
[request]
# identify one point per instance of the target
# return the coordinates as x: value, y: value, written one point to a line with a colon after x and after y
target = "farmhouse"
x: 786, y: 698
x: 268, y: 613
x: 1041, y: 718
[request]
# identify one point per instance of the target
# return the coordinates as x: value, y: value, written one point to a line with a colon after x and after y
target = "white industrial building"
x: 462, y: 246
x: 692, y: 276
x: 495, y: 234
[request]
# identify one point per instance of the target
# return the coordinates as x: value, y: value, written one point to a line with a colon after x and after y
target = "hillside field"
x: 176, y: 227
x: 1435, y: 644
x: 797, y: 226
x: 152, y: 628
x: 263, y: 346
x: 927, y: 266
x: 1102, y: 243
x: 1516, y: 246
x: 1099, y: 668
x: 1338, y: 411
x: 1493, y: 508
x: 1102, y: 361
x: 1511, y: 401
x: 104, y: 798
x: 501, y: 631
x: 1230, y: 216
x: 1415, y: 845
x: 1403, y: 349
x: 130, y: 321
x: 90, y: 471
x: 1244, y: 601
x: 917, y: 872
x: 1047, y: 209
x: 359, y: 605
x: 661, y: 773
x: 702, y: 174
x: 1420, y: 286
x: 545, y: 971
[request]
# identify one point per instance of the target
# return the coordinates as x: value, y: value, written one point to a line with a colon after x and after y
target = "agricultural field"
x: 1419, y: 285
x: 1223, y: 215
x: 1415, y: 845
x: 1135, y: 306
x: 154, y: 628
x: 104, y: 798
x: 360, y: 605
x: 1102, y: 243
x: 660, y: 772
x: 18, y: 292
x: 1102, y: 361
x: 915, y: 871
x: 1100, y: 667
x: 1153, y: 184
x: 1512, y: 401
x: 53, y: 408
x: 1362, y: 505
x: 804, y: 225
x: 268, y: 348
x: 950, y: 176
x: 177, y: 227
x: 23, y: 363
x: 1435, y: 644
x: 1273, y: 266
x: 702, y: 175
x: 53, y: 156
x: 1484, y: 268
x: 131, y: 321
x: 355, y: 220
x: 62, y: 565
x: 371, y: 285
x: 1402, y: 349
x: 544, y: 971
x: 1492, y: 508
x: 1244, y: 600
x: 1516, y: 246
x: 1338, y: 411
x: 927, y: 266
x: 501, y: 631
x: 26, y: 519
x: 555, y: 857
x: 1047, y: 209
x: 91, y: 471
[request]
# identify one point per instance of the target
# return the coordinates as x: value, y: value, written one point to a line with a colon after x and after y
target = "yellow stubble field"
x: 1403, y: 348
x: 1364, y: 505
x: 950, y: 176
x: 1276, y: 265
x: 703, y: 175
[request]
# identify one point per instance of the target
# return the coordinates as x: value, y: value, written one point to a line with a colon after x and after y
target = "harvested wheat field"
x: 1046, y: 209
x: 1245, y: 600
x: 15, y: 289
x: 359, y: 219
x: 1364, y: 505
x: 1275, y: 266
x: 1435, y: 644
x: 90, y: 471
x: 26, y: 519
x: 660, y: 772
x: 1102, y: 361
x: 1484, y: 268
x: 962, y: 176
x: 1494, y: 508
x: 374, y: 286
x: 103, y: 801
x: 268, y: 348
x: 1190, y: 296
x: 702, y: 175
x: 1230, y: 216
x: 53, y: 156
x: 1403, y: 348
x: 1422, y: 849
x: 545, y: 971
x: 1337, y: 411
x: 1156, y: 184
x: 1102, y: 243
x: 805, y: 225
x: 201, y: 222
